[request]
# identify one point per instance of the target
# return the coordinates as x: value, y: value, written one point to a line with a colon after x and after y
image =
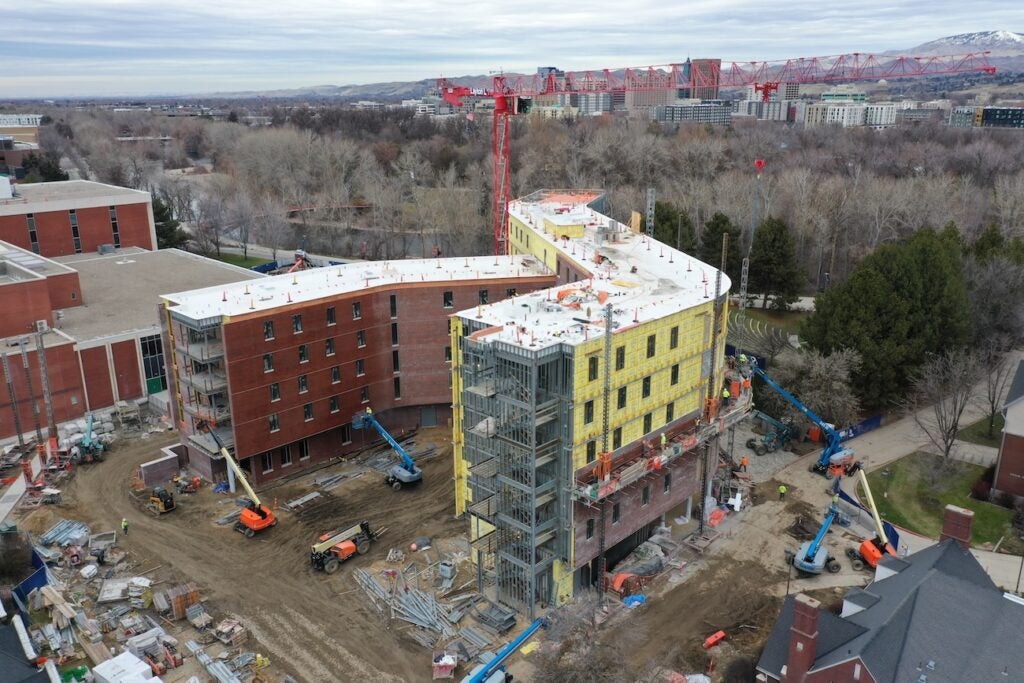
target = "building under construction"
x: 569, y: 447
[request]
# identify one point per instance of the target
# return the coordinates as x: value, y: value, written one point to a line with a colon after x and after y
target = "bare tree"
x: 822, y: 383
x: 209, y: 222
x: 272, y: 228
x: 942, y: 390
x: 999, y: 369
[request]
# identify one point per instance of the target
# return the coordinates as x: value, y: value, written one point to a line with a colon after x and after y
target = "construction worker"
x: 725, y: 397
x: 835, y: 502
x: 124, y: 525
x: 743, y: 463
x: 782, y: 491
x: 369, y: 410
x: 664, y: 440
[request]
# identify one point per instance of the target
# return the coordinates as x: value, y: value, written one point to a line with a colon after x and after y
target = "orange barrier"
x: 714, y: 639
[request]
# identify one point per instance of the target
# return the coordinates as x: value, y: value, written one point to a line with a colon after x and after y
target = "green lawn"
x: 906, y: 496
x: 239, y: 260
x: 788, y: 321
x: 978, y: 432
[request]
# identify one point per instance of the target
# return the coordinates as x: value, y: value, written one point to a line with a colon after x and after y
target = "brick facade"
x: 95, y: 227
x: 23, y: 304
x: 1010, y: 466
x: 65, y: 388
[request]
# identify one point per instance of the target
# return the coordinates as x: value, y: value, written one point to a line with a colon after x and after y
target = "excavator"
x: 255, y: 516
x: 871, y: 550
x: 335, y: 547
x: 400, y: 474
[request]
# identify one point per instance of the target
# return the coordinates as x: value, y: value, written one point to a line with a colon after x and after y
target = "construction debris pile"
x: 93, y: 601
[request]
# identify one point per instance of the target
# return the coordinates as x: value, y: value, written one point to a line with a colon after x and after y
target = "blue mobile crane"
x: 812, y: 557
x: 400, y: 474
x: 834, y: 460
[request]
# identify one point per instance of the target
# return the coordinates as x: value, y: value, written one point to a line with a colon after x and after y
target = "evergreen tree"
x: 42, y: 169
x: 710, y: 250
x: 774, y: 270
x: 673, y: 227
x: 901, y: 303
x: 168, y: 233
x: 989, y: 244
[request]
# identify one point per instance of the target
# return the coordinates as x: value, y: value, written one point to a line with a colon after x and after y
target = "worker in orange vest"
x: 743, y: 463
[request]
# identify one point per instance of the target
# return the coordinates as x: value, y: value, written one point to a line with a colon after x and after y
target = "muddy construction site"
x: 318, y: 627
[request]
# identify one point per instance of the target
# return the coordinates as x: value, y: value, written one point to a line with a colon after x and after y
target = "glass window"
x: 395, y: 364
x: 448, y: 354
x: 673, y: 337
x: 588, y: 412
x: 645, y: 496
x: 346, y: 433
x: 303, y: 384
x: 304, y: 449
x: 307, y: 412
x: 303, y: 353
x: 357, y: 311
x: 651, y: 345
x: 394, y: 334
x: 448, y: 300
x: 667, y: 486
x: 675, y: 374
x: 335, y: 404
x: 329, y: 344
x: 616, y: 513
x: 286, y: 456
x: 398, y: 387
x: 670, y: 411
x: 484, y: 295
x: 592, y: 367
x: 591, y: 450
x: 360, y: 367
x: 361, y: 338
x: 648, y: 421
x: 394, y: 306
x: 335, y: 374
x: 152, y: 362
x: 646, y: 387
x: 275, y: 392
x: 268, y: 362
x: 623, y: 391
x: 590, y: 528
x: 297, y: 323
x: 364, y: 395
x: 331, y: 319
x: 267, y: 462
x: 620, y: 357
x: 274, y: 424
x: 510, y: 292
x: 617, y: 438
x: 268, y: 329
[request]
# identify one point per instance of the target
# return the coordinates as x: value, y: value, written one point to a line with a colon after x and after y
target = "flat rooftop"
x: 80, y: 192
x: 317, y: 283
x: 23, y: 259
x: 642, y: 278
x: 122, y: 291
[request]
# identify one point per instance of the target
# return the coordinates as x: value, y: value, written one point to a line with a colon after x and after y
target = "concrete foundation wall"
x: 163, y: 469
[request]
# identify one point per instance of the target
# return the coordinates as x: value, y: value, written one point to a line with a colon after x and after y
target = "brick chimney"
x: 956, y: 524
x: 803, y: 639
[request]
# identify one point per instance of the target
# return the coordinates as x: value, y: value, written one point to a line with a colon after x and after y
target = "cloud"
x: 112, y: 47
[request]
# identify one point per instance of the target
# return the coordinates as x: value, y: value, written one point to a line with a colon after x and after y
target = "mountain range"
x: 1006, y: 50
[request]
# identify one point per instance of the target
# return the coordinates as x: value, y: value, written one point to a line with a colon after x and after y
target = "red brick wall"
x: 14, y: 229
x: 22, y: 304
x: 1010, y: 466
x: 65, y: 389
x: 65, y: 290
x: 97, y: 377
x: 133, y: 226
x: 126, y: 369
x: 94, y: 228
x: 53, y: 229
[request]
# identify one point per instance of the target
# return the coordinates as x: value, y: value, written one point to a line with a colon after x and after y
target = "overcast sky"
x: 59, y: 48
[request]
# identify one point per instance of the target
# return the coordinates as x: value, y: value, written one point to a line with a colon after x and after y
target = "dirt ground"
x: 313, y: 626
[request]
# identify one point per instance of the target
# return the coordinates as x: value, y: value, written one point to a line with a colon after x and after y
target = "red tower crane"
x: 513, y: 96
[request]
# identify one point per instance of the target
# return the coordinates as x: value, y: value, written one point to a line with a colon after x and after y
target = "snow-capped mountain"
x: 999, y: 43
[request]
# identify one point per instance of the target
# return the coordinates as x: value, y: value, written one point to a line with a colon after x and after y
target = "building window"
x: 670, y: 412
x: 395, y: 364
x: 667, y: 486
x: 113, y: 227
x: 645, y: 496
x: 32, y: 237
x: 622, y: 397
x: 275, y: 392
x: 591, y: 450
x: 304, y: 449
x: 617, y: 438
x: 297, y: 323
x: 360, y: 367
x: 620, y: 357
x: 652, y: 344
x: 329, y: 344
x: 335, y: 374
x: 335, y: 404
x: 448, y: 300
x: 364, y: 395
x: 303, y: 384
x: 484, y: 295
x: 346, y: 433
x: 394, y: 334
x: 646, y: 387
x: 510, y: 292
x: 331, y: 319
x: 73, y: 218
x: 268, y: 362
x: 394, y: 306
x: 588, y: 412
x: 648, y: 420
x: 448, y: 354
x: 592, y: 366
x: 267, y: 462
x: 275, y: 426
x: 307, y: 412
x: 398, y: 387
x: 590, y: 528
x: 152, y: 362
x: 616, y: 513
x: 268, y: 330
x: 357, y: 311
x: 675, y: 374
x: 673, y: 337
x: 361, y: 339
x: 286, y: 456
x: 303, y: 353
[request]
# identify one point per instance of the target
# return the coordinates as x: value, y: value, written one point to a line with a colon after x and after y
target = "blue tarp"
x: 265, y: 267
x: 861, y: 427
x: 38, y: 579
x: 632, y: 601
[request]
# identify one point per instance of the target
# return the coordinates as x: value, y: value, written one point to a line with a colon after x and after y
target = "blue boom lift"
x: 400, y: 474
x: 835, y: 460
x: 493, y: 671
x: 812, y: 557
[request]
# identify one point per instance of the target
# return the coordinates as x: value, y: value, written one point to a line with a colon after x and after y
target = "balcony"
x: 203, y: 351
x: 205, y: 382
x: 213, y: 414
x: 206, y: 442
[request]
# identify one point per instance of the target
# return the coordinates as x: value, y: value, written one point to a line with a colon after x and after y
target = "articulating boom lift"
x: 255, y: 516
x: 400, y: 474
x: 871, y: 549
x: 812, y: 557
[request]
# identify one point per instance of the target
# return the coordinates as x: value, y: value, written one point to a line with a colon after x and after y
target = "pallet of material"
x: 181, y: 598
x: 701, y: 543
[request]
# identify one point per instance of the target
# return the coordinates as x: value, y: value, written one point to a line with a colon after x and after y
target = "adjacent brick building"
x: 281, y: 365
x: 1009, y: 475
x: 75, y: 217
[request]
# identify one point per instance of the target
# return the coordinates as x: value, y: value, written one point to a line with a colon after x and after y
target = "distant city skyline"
x: 58, y: 48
